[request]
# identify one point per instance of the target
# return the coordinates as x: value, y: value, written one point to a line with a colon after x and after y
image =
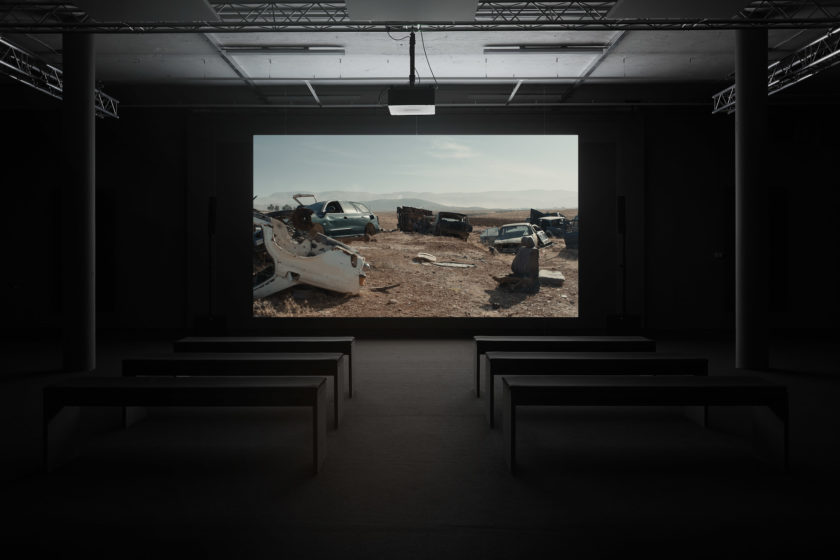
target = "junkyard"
x: 414, y: 274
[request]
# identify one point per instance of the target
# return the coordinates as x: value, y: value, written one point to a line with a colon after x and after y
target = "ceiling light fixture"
x: 283, y: 49
x: 411, y: 99
x: 544, y: 49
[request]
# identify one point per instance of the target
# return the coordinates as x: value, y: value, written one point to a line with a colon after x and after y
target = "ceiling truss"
x: 62, y: 17
x: 808, y: 61
x: 242, y: 17
x: 22, y: 66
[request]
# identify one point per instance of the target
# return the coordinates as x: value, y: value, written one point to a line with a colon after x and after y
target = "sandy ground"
x: 398, y: 285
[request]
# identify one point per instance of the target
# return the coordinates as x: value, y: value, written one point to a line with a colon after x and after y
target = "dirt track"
x: 399, y: 286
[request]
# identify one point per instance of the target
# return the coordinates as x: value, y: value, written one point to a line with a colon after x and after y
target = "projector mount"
x: 411, y: 43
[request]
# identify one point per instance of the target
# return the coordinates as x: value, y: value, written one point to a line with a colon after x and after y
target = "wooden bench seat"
x: 562, y: 363
x: 309, y: 391
x: 328, y: 364
x: 276, y: 344
x: 614, y: 390
x: 484, y: 344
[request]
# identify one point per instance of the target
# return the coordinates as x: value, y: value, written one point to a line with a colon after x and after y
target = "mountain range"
x: 455, y: 201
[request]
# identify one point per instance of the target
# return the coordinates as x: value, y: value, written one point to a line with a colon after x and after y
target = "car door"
x: 355, y: 219
x: 543, y: 240
x: 336, y: 222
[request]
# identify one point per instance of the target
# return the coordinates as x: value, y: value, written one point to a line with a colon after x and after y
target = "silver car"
x: 510, y: 237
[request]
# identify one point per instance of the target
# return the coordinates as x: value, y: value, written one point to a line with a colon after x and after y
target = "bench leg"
x: 771, y: 435
x: 490, y: 389
x: 477, y: 369
x: 338, y: 397
x: 319, y: 430
x: 349, y: 358
x: 60, y: 436
x: 698, y: 414
x: 133, y: 414
x: 509, y: 428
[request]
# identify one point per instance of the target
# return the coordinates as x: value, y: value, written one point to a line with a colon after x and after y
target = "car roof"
x: 517, y: 224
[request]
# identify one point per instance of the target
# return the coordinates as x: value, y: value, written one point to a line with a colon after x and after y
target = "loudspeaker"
x: 621, y: 221
x: 211, y: 215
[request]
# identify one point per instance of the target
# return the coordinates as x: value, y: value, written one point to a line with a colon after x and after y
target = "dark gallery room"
x: 433, y: 357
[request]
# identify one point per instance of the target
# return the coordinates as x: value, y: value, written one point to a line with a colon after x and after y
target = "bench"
x: 276, y: 344
x: 484, y: 344
x: 615, y: 390
x: 307, y: 391
x: 562, y: 363
x: 328, y: 364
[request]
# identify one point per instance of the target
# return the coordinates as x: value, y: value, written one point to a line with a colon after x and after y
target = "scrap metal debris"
x: 425, y: 258
x: 454, y: 264
x: 282, y: 260
x: 384, y: 289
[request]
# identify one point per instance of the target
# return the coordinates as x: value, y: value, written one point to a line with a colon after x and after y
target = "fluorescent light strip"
x: 284, y: 49
x: 404, y: 110
x: 544, y: 49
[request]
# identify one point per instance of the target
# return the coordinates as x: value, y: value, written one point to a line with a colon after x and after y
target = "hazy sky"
x: 393, y: 164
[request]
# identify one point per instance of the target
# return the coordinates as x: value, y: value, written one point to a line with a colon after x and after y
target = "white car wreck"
x: 318, y: 260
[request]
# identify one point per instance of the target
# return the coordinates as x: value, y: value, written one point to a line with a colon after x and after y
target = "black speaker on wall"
x: 211, y: 215
x: 622, y: 323
x: 211, y: 324
x: 620, y: 218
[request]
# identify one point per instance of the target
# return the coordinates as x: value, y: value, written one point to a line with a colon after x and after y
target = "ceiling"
x: 517, y: 53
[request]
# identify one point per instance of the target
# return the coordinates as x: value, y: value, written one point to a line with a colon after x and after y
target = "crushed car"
x: 420, y: 220
x: 284, y: 257
x: 410, y: 219
x: 510, y: 237
x: 452, y: 223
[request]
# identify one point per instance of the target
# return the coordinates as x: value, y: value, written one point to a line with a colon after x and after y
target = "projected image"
x: 415, y: 226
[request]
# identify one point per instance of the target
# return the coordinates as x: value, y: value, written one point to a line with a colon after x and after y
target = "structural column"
x: 78, y: 208
x: 751, y: 203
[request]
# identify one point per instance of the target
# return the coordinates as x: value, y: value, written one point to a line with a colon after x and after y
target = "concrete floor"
x: 415, y: 472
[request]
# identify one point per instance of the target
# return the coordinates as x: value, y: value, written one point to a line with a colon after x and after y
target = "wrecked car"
x: 572, y: 235
x: 553, y: 223
x: 420, y: 220
x: 554, y: 226
x: 283, y: 258
x: 335, y: 218
x: 452, y: 223
x: 510, y: 237
x: 489, y: 235
x: 410, y: 219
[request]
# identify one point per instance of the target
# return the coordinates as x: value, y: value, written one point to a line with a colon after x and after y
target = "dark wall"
x: 689, y: 220
x: 158, y: 169
x: 30, y: 183
x: 804, y: 230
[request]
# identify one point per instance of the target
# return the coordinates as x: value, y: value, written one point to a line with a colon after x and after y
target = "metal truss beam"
x: 808, y: 61
x: 240, y: 17
x: 25, y: 68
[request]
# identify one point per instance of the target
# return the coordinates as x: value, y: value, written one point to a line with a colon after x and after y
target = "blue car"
x: 339, y: 218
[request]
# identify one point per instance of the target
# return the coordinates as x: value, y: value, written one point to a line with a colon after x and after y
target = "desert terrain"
x: 399, y: 284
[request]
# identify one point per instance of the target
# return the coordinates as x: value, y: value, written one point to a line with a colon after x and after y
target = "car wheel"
x: 369, y: 229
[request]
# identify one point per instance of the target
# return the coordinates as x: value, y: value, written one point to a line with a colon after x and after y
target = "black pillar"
x: 78, y: 204
x: 751, y: 221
